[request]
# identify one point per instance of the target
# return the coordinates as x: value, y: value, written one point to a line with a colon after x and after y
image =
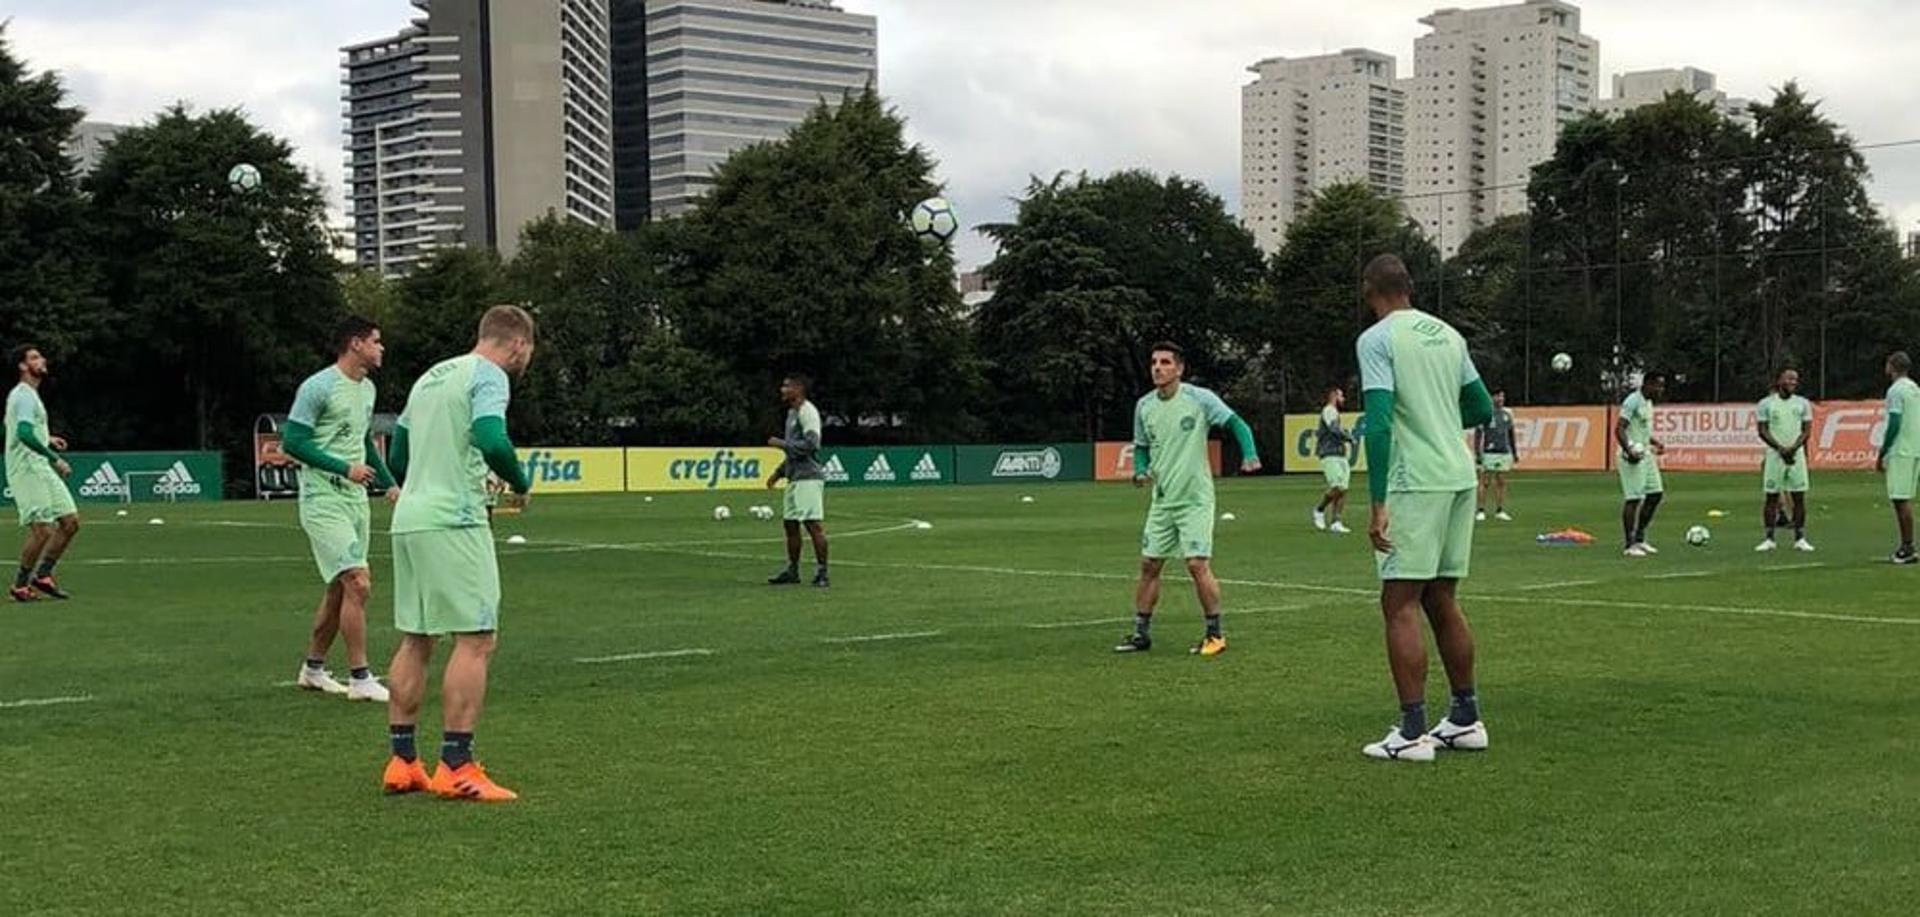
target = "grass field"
x: 1704, y: 732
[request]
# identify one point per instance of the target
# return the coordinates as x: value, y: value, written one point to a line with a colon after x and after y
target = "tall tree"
x: 800, y: 258
x: 436, y: 310
x: 1090, y: 274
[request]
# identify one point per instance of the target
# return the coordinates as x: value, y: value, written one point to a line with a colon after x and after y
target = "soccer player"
x: 1899, y: 450
x: 1330, y: 445
x: 1170, y: 427
x: 1494, y: 444
x: 1640, y: 463
x: 805, y: 502
x: 330, y: 431
x: 1785, y: 420
x: 1421, y: 392
x: 37, y: 475
x: 445, y: 578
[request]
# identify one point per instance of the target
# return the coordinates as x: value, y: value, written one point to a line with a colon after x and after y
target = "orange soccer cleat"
x: 403, y: 776
x: 469, y: 781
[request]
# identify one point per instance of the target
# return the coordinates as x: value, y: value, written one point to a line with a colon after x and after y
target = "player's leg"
x: 1500, y: 495
x: 1655, y: 492
x: 1903, y: 515
x: 1769, y: 515
x: 791, y: 573
x: 461, y: 596
x: 463, y: 692
x: 356, y: 585
x: 64, y: 529
x: 1207, y: 588
x: 1630, y: 522
x: 1419, y: 524
x: 1146, y: 595
x: 31, y: 548
x: 1338, y: 526
x: 1483, y: 493
x: 1800, y: 542
x: 817, y: 533
x: 407, y: 672
x: 1461, y: 729
x: 326, y: 625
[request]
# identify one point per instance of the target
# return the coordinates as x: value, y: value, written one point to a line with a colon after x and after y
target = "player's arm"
x: 1480, y: 441
x: 25, y: 433
x: 397, y: 452
x: 1620, y: 438
x: 1893, y: 431
x: 296, y: 439
x: 1377, y: 397
x: 382, y: 475
x: 1761, y: 418
x: 489, y: 395
x: 1476, y: 403
x: 1219, y: 415
x: 1142, y: 452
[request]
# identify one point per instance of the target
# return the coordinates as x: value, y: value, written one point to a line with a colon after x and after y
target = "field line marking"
x: 1225, y: 612
x: 1563, y: 584
x: 46, y: 701
x: 1806, y: 566
x: 1683, y: 574
x: 875, y: 638
x: 636, y: 657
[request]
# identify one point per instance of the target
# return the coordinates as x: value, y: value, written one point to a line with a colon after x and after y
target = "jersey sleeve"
x: 1330, y: 416
x: 1893, y: 400
x: 1469, y: 374
x: 810, y: 421
x: 1761, y: 414
x: 1216, y: 410
x: 490, y: 391
x: 1140, y: 424
x: 1375, y: 351
x: 23, y: 406
x: 310, y: 399
x: 1806, y: 411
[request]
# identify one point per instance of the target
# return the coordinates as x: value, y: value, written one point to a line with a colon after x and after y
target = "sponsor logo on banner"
x: 177, y: 481
x: 741, y: 468
x: 1113, y: 461
x: 1560, y: 438
x: 926, y: 469
x: 562, y: 470
x: 880, y: 472
x: 833, y: 472
x: 103, y: 482
x: 723, y: 465
x: 1038, y: 463
x: 1708, y: 437
x: 1847, y: 434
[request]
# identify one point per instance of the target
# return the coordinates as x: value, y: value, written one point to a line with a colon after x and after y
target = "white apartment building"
x: 1490, y: 90
x: 1649, y: 87
x: 1310, y: 122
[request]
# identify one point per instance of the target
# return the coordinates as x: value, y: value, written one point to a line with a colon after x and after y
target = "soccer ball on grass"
x: 1698, y: 536
x: 722, y: 514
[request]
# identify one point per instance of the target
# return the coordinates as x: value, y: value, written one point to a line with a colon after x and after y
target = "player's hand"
x: 61, y: 466
x: 1659, y: 448
x: 773, y: 481
x: 775, y: 442
x: 1880, y: 464
x: 1377, y: 529
x: 1633, y: 458
x: 59, y: 443
x: 393, y: 495
x: 518, y: 501
x: 360, y: 473
x: 1142, y: 480
x: 1250, y: 466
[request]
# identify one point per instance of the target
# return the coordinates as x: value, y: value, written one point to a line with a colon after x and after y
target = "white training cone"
x: 516, y: 539
x: 156, y: 521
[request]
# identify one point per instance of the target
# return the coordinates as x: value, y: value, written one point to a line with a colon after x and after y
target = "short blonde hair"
x: 506, y: 323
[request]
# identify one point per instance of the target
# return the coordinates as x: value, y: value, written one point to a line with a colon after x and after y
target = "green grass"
x: 1660, y: 745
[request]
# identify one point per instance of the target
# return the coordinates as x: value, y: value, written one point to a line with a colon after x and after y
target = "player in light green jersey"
x: 330, y: 431
x: 446, y: 581
x: 1421, y: 393
x: 37, y: 476
x: 1785, y: 420
x: 1170, y: 426
x: 1900, y: 450
x: 1639, y: 458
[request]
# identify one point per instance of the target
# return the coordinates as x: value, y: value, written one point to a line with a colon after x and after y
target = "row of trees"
x: 175, y: 309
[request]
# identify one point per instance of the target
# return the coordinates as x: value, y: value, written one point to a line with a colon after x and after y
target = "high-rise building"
x: 89, y: 141
x: 718, y: 75
x: 1310, y: 122
x: 478, y: 118
x: 1490, y: 90
x: 1649, y: 87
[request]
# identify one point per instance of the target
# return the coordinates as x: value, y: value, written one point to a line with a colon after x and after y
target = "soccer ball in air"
x: 243, y: 178
x: 1698, y: 536
x: 934, y: 220
x: 722, y: 514
x: 1562, y: 362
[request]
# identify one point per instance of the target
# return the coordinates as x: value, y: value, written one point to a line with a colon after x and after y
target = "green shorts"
x: 1338, y: 471
x: 1178, y: 531
x: 1432, y: 535
x: 1777, y: 476
x: 806, y: 501
x: 446, y: 581
x: 1496, y: 462
x: 1640, y: 479
x: 338, y: 530
x: 41, y: 497
x: 1903, y: 477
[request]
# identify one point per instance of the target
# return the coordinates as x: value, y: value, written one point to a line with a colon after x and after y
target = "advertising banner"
x: 1016, y: 464
x: 1114, y: 461
x: 1725, y: 437
x: 700, y: 468
x: 1847, y: 434
x: 111, y: 477
x: 559, y: 470
x: 1549, y: 439
x: 1299, y: 432
x: 868, y: 467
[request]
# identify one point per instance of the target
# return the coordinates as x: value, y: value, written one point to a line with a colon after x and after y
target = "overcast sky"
x: 1000, y: 90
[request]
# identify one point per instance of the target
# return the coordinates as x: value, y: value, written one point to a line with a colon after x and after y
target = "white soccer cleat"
x: 1319, y: 520
x: 1804, y: 546
x: 368, y: 688
x: 1480, y: 515
x: 1459, y: 738
x: 1764, y: 546
x: 1396, y: 747
x: 1338, y: 528
x: 1649, y: 549
x: 318, y: 680
x: 1635, y: 550
x: 1503, y: 516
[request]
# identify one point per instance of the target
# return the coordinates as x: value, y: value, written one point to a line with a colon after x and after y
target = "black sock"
x: 1466, y: 707
x: 402, y: 739
x: 25, y: 576
x: 456, y: 748
x: 316, y: 663
x: 1800, y: 533
x: 1323, y: 505
x: 1413, y: 720
x: 1770, y: 531
x: 46, y: 568
x: 362, y: 673
x: 1142, y: 622
x: 1213, y: 626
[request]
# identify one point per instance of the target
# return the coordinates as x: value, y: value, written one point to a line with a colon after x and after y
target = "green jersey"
x: 24, y: 406
x: 1424, y: 362
x: 340, y: 413
x: 1782, y: 418
x: 446, y: 485
x: 1902, y: 399
x: 1637, y: 411
x: 1174, y: 433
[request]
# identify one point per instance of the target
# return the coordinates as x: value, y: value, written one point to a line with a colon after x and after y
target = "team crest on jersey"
x: 1186, y: 424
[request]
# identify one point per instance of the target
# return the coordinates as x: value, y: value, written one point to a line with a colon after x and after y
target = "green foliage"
x: 1090, y: 275
x: 435, y: 314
